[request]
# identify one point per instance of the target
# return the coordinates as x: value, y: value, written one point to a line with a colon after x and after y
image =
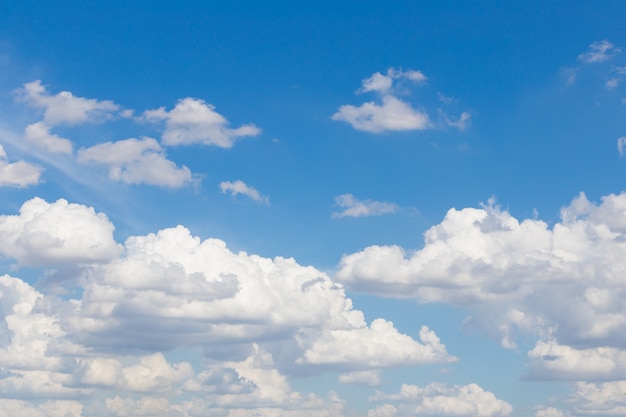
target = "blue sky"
x: 312, y: 209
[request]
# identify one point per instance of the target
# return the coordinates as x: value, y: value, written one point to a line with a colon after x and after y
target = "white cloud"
x: 61, y: 109
x: 621, y: 145
x: 353, y: 207
x: 45, y: 234
x: 21, y: 408
x: 391, y: 113
x: 369, y: 378
x: 137, y: 161
x: 195, y: 121
x: 17, y: 174
x: 442, y: 400
x: 605, y: 399
x: 599, y: 51
x: 563, y: 284
x: 549, y: 412
x: 240, y: 187
x: 616, y: 76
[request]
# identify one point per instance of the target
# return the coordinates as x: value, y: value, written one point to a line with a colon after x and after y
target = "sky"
x: 312, y: 209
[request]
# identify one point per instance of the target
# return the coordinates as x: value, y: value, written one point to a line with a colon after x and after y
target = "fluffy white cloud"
x: 605, y: 399
x: 562, y: 283
x: 441, y: 400
x: 49, y: 234
x: 391, y: 113
x: 17, y: 174
x: 353, y: 207
x: 195, y: 121
x: 240, y: 187
x: 599, y: 51
x: 62, y: 108
x: 137, y: 161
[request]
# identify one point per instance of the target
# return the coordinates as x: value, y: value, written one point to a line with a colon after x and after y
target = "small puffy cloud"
x: 48, y: 234
x: 240, y: 187
x: 194, y: 121
x: 616, y: 77
x: 370, y: 378
x: 17, y: 174
x: 599, y: 51
x: 61, y: 109
x: 442, y: 400
x: 391, y: 113
x: 621, y: 145
x: 549, y: 412
x: 353, y: 207
x: 137, y: 161
x: 64, y: 107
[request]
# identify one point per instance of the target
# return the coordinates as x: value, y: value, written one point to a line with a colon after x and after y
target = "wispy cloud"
x: 353, y: 207
x: 599, y: 51
x: 240, y: 187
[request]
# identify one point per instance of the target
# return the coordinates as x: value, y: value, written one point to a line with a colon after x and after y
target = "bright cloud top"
x: 194, y: 121
x: 136, y: 161
x: 61, y: 109
x: 563, y: 284
x: 17, y: 174
x: 353, y: 207
x: 240, y: 187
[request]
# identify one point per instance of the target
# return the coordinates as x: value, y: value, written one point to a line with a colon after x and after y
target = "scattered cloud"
x: 599, y: 51
x: 61, y: 109
x: 561, y: 284
x: 353, y: 207
x: 193, y: 121
x: 621, y: 145
x: 616, y: 77
x: 369, y: 378
x: 17, y: 174
x: 390, y: 113
x: 136, y: 161
x: 240, y: 187
x: 49, y: 234
x: 440, y: 400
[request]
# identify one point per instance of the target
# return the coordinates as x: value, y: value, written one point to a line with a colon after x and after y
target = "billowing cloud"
x: 103, y: 352
x: 599, y: 51
x: 240, y: 187
x: 50, y: 234
x: 563, y: 284
x: 17, y: 174
x: 137, y: 161
x: 353, y: 207
x: 195, y: 121
x: 61, y: 109
x: 440, y: 400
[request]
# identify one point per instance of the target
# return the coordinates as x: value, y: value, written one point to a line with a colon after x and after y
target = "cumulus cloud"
x: 60, y: 109
x: 441, y: 400
x: 51, y: 234
x: 13, y: 408
x: 194, y: 121
x: 563, y: 284
x: 391, y: 113
x: 240, y: 187
x: 17, y: 174
x: 353, y: 207
x: 369, y: 378
x: 599, y: 51
x: 137, y: 161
